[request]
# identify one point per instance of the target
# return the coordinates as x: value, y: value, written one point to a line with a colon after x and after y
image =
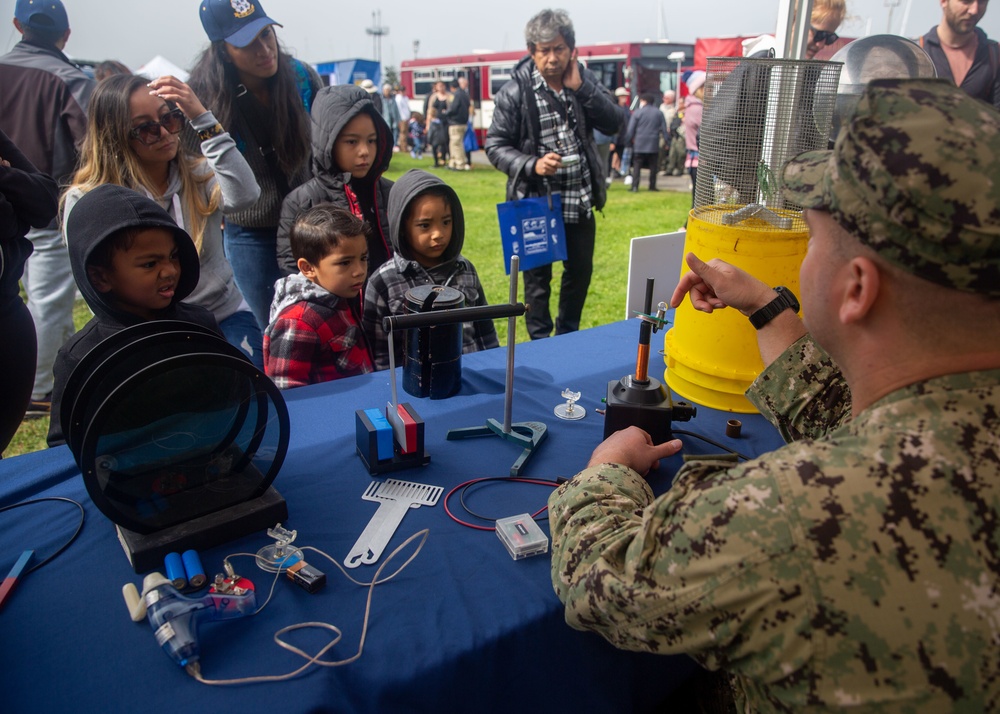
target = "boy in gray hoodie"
x: 427, y: 229
x: 351, y: 149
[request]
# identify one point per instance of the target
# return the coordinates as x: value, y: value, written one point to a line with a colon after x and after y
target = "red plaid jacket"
x: 314, y: 336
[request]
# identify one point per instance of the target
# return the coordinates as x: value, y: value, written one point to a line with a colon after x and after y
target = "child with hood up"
x: 351, y: 149
x: 427, y: 229
x: 132, y: 264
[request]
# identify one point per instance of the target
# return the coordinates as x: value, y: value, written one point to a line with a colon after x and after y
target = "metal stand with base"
x: 527, y: 434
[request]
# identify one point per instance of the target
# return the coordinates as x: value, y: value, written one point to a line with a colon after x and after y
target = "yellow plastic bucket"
x: 712, y: 358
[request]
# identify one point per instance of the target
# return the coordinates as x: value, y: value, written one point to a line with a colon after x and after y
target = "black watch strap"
x: 785, y: 300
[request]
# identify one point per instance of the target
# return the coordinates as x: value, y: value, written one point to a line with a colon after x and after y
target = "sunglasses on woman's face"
x: 149, y: 132
x: 824, y: 37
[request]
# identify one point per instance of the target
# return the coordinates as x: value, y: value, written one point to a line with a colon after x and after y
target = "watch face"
x: 171, y: 427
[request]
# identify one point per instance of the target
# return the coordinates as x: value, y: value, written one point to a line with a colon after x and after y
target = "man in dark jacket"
x: 962, y: 53
x: 458, y: 118
x: 542, y: 138
x: 646, y: 129
x: 44, y: 112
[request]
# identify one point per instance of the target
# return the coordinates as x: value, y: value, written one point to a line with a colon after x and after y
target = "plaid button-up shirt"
x: 558, y: 135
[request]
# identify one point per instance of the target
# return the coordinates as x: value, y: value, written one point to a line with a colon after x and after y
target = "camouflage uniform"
x: 858, y: 567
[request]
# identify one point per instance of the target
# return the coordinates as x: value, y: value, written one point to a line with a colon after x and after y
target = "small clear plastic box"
x: 521, y: 536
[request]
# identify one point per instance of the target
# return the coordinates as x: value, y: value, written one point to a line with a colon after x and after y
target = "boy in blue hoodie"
x: 351, y: 149
x: 427, y: 229
x: 132, y: 264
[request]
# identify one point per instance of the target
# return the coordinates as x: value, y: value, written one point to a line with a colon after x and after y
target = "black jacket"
x: 96, y: 216
x: 332, y: 109
x: 645, y: 128
x: 458, y: 110
x: 512, y: 141
x: 28, y: 199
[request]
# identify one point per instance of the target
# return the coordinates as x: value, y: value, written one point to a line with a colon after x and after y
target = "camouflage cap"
x: 916, y: 177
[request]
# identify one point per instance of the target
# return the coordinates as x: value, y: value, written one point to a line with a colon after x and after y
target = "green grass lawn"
x: 625, y: 216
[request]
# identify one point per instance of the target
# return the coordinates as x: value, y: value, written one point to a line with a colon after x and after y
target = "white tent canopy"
x: 159, y: 66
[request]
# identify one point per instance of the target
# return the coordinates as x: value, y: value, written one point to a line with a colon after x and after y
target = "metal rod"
x: 433, y: 318
x: 642, y: 356
x: 508, y: 396
x: 392, y: 370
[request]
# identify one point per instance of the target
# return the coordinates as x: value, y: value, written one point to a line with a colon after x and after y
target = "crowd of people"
x: 250, y: 200
x: 857, y: 566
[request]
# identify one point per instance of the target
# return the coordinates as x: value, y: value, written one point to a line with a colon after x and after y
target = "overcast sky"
x: 134, y: 31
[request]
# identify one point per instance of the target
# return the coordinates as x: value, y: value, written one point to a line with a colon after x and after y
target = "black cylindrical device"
x: 432, y: 358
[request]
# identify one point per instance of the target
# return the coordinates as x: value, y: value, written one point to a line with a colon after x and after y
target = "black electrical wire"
x: 65, y: 545
x: 538, y: 482
x: 713, y: 443
x: 466, y: 484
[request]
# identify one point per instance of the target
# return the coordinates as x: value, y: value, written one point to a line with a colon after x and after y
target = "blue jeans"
x: 48, y: 280
x: 240, y: 330
x: 253, y: 253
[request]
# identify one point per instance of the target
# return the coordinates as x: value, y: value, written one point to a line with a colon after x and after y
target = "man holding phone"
x: 542, y: 138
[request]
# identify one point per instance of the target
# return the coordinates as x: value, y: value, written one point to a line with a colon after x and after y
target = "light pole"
x: 377, y: 30
x: 677, y: 57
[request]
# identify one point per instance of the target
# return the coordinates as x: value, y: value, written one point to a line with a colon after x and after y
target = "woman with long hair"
x: 132, y: 141
x: 263, y: 96
x: 437, y: 125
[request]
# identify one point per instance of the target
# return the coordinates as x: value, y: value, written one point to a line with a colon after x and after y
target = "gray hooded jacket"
x: 332, y: 109
x: 386, y: 289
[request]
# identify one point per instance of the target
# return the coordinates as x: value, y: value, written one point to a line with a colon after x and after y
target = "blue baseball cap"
x: 42, y: 15
x: 238, y: 22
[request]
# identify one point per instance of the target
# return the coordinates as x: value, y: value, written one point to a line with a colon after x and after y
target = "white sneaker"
x: 628, y: 180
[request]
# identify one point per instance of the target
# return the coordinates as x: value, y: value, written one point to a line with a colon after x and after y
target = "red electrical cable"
x: 470, y: 482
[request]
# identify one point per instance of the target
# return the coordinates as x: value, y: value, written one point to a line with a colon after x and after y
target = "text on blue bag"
x: 532, y: 231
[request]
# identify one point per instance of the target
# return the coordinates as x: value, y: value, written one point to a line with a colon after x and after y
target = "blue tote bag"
x: 533, y: 230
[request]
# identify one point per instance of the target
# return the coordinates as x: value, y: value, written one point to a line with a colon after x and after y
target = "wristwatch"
x: 786, y: 299
x: 214, y: 130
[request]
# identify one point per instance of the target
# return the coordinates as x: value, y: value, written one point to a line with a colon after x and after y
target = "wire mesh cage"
x: 759, y: 113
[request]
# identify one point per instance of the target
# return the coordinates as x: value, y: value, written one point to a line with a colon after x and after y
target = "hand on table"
x: 634, y: 448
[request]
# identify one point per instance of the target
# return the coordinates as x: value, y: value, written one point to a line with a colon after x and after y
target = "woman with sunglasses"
x: 824, y: 21
x: 132, y: 141
x: 263, y: 96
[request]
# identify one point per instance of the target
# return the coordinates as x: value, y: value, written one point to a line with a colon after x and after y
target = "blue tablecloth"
x: 463, y: 628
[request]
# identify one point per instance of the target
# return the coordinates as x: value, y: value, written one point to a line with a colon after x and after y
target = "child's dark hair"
x: 320, y: 229
x: 439, y: 190
x: 103, y: 253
